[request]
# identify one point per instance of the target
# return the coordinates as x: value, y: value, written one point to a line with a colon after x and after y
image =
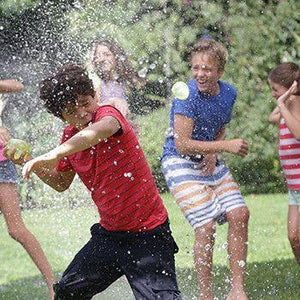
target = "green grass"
x: 272, y: 272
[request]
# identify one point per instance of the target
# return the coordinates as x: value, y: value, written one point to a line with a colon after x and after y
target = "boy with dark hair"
x: 133, y: 237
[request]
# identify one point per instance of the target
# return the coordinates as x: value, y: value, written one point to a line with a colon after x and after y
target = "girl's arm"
x: 4, y: 135
x: 120, y: 104
x: 183, y: 127
x: 11, y: 86
x: 275, y: 116
x: 292, y: 119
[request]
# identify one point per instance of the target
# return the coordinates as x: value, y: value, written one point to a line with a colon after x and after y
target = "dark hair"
x: 124, y: 68
x: 217, y: 49
x: 285, y: 74
x: 63, y: 88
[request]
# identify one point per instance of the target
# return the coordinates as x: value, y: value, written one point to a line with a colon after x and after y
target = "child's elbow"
x: 60, y: 189
x: 181, y: 147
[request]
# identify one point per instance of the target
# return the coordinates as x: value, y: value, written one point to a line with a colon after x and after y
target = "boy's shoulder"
x: 228, y: 88
x: 107, y: 110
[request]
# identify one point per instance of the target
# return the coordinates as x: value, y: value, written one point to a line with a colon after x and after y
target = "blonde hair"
x: 217, y: 49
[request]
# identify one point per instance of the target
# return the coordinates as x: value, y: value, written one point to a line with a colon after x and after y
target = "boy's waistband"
x: 162, y: 229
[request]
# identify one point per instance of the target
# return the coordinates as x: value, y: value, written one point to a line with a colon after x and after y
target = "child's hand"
x: 238, y: 146
x: 4, y: 135
x: 44, y: 162
x: 19, y: 159
x: 284, y: 97
x: 120, y: 104
x: 208, y: 164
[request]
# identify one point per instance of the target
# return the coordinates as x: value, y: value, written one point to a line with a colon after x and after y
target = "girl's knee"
x: 18, y: 234
x: 294, y: 237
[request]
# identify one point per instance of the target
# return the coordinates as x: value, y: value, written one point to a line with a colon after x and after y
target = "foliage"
x: 157, y: 34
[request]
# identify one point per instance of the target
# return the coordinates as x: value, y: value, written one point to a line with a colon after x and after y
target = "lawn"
x: 272, y: 272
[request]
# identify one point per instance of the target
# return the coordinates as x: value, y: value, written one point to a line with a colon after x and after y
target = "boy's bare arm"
x: 84, y: 139
x: 183, y: 127
x: 88, y: 137
x: 59, y: 181
x: 11, y: 86
x: 221, y: 134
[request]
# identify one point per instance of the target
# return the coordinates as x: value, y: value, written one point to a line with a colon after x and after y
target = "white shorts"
x: 294, y: 198
x: 201, y: 198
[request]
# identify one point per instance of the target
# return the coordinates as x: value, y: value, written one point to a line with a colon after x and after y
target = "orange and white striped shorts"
x: 202, y: 198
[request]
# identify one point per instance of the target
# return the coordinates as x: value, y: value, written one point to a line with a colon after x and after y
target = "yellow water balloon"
x: 20, y: 146
x: 180, y: 90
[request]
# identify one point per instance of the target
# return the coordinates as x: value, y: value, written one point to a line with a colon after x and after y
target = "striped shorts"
x: 202, y: 198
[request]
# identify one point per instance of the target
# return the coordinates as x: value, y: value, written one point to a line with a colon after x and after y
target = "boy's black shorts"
x: 145, y: 258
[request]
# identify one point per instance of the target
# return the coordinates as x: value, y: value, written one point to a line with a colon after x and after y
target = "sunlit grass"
x: 272, y: 271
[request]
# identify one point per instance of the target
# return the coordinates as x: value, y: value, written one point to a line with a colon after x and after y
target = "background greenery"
x: 39, y: 36
x: 272, y: 272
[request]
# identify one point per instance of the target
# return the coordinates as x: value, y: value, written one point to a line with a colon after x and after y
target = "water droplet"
x: 143, y: 72
x: 116, y: 76
x: 224, y: 246
x: 241, y: 263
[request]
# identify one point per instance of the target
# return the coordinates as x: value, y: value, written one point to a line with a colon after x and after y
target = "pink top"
x: 289, y: 153
x: 2, y: 157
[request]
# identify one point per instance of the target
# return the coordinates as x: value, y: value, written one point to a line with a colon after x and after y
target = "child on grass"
x: 9, y: 202
x: 200, y: 183
x: 284, y: 82
x: 133, y: 237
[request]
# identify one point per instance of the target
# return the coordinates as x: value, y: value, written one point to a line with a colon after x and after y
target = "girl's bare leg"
x: 294, y: 230
x: 9, y: 206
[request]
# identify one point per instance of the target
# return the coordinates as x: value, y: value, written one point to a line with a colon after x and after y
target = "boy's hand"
x: 292, y: 90
x: 4, y: 135
x: 238, y: 146
x: 208, y: 164
x: 42, y: 163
